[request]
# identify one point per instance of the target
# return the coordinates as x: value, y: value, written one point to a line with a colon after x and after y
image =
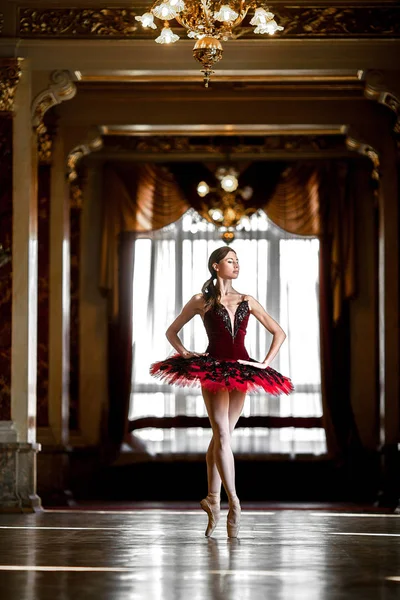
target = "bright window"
x: 277, y: 268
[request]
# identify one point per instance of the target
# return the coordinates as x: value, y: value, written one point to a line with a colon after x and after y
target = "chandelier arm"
x: 207, y: 14
x: 243, y: 10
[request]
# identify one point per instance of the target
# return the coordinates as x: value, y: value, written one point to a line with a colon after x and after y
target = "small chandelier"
x: 208, y: 22
x: 228, y: 207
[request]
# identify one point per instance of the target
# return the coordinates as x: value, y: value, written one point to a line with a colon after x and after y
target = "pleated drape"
x: 140, y: 197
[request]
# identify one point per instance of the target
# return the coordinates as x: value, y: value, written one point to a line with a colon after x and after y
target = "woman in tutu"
x: 225, y: 372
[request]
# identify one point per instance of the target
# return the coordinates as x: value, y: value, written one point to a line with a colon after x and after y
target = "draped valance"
x: 300, y: 198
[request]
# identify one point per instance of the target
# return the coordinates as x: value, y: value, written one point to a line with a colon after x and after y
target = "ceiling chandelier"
x: 227, y: 204
x: 208, y: 22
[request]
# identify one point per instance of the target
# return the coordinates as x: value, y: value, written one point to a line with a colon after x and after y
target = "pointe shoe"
x: 213, y: 512
x: 233, y: 521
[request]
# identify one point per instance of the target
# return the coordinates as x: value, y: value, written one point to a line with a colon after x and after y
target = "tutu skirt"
x: 214, y: 375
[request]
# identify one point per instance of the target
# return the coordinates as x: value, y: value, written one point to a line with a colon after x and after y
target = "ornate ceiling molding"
x: 60, y: 89
x: 73, y: 22
x: 376, y: 88
x: 10, y: 74
x: 236, y: 146
x: 341, y: 21
x: 74, y: 178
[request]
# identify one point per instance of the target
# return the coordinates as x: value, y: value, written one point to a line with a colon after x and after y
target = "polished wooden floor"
x: 163, y: 554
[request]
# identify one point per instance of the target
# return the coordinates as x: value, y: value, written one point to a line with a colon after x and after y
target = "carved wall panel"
x: 72, y: 22
x: 299, y: 21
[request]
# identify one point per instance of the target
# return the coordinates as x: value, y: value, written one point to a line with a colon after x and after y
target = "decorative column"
x: 45, y: 155
x: 76, y: 175
x: 54, y: 325
x: 381, y: 150
x: 18, y: 446
x: 383, y: 87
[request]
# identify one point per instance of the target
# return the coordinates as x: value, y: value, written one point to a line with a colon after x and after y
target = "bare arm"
x: 192, y: 308
x: 272, y: 326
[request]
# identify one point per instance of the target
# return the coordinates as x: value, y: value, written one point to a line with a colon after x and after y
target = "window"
x: 277, y: 268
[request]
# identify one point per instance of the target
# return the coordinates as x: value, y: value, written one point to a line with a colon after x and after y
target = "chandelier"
x: 208, y: 22
x: 228, y: 202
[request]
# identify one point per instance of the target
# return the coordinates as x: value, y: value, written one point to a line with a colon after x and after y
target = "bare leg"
x: 236, y: 402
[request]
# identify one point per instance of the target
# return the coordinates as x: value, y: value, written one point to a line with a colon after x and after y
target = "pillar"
x: 18, y: 447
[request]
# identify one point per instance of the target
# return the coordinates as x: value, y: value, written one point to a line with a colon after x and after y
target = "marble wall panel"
x: 6, y: 223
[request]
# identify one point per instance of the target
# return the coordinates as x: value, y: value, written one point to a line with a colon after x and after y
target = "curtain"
x: 301, y: 199
x: 337, y: 287
x: 120, y: 345
x: 140, y: 197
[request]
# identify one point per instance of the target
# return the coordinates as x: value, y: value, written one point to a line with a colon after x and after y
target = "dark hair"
x: 211, y: 292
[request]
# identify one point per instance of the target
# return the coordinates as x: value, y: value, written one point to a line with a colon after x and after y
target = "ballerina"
x: 225, y: 372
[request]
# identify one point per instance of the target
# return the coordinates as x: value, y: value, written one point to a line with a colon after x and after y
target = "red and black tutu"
x: 214, y: 375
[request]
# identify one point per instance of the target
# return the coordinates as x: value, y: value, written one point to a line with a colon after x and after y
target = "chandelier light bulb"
x: 271, y: 27
x: 216, y: 214
x: 261, y: 17
x: 202, y: 189
x: 147, y: 20
x: 167, y: 36
x: 229, y: 183
x: 164, y: 11
x: 225, y: 14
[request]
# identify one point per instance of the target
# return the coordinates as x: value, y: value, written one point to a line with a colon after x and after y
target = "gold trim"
x: 221, y: 130
x: 189, y: 76
x: 10, y: 74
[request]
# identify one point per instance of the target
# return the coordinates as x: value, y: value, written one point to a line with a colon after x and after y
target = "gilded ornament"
x: 298, y: 21
x: 10, y: 73
x: 45, y: 146
x: 72, y: 22
x: 339, y: 21
x: 208, y: 51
